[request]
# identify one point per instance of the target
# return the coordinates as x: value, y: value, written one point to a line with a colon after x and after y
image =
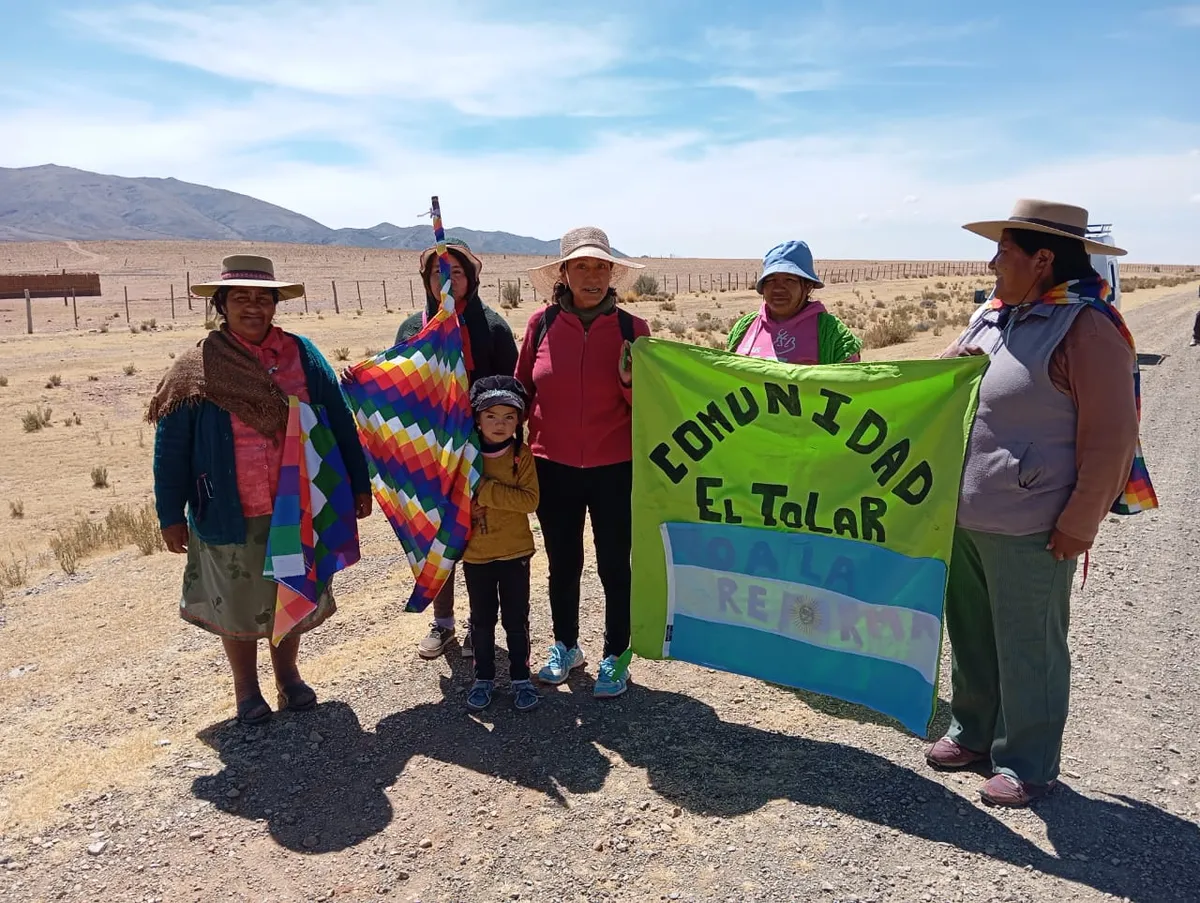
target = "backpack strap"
x: 544, y: 325
x: 625, y: 321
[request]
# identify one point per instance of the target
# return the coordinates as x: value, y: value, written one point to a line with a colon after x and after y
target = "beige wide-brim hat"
x: 586, y: 241
x: 248, y: 271
x: 454, y: 244
x: 1050, y: 217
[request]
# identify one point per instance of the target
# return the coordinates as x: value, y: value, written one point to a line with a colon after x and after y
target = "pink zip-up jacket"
x: 580, y: 414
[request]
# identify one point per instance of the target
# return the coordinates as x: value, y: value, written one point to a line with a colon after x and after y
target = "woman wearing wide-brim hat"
x: 1054, y: 442
x: 221, y: 414
x: 575, y: 365
x: 489, y: 349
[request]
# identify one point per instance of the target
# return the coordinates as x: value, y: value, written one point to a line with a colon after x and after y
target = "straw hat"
x: 248, y: 271
x: 586, y: 241
x: 454, y: 244
x: 1050, y: 217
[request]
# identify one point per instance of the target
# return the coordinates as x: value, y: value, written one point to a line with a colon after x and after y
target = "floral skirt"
x: 225, y: 592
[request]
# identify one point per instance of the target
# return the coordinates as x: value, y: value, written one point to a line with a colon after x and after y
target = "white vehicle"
x: 1103, y: 264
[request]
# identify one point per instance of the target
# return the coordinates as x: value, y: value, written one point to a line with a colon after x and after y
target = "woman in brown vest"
x: 1055, y: 441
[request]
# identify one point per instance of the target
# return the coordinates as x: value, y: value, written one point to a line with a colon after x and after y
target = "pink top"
x: 256, y: 458
x: 793, y: 341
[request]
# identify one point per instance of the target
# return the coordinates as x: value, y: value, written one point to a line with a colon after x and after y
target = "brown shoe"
x: 1002, y: 790
x: 435, y: 642
x: 947, y: 755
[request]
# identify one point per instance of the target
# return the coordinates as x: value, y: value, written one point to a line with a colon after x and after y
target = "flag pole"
x: 439, y: 237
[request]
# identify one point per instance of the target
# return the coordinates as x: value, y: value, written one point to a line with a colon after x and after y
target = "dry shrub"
x: 122, y: 526
x: 668, y: 306
x: 891, y: 330
x: 3, y: 381
x: 342, y: 354
x: 510, y: 295
x: 677, y: 328
x: 17, y: 509
x: 93, y: 378
x: 370, y: 352
x: 99, y: 477
x: 54, y: 381
x: 104, y: 327
x: 645, y: 284
x: 14, y: 571
x: 130, y: 370
x: 656, y: 325
x: 36, y: 419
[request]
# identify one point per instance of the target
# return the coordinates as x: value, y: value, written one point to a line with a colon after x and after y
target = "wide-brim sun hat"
x: 454, y: 244
x: 585, y: 241
x: 248, y: 271
x: 1051, y: 217
x: 791, y: 257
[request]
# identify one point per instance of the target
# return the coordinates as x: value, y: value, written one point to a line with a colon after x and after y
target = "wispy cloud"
x: 461, y: 56
x: 1187, y: 16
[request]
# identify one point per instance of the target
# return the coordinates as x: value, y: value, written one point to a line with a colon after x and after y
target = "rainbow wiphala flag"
x: 314, y: 533
x: 414, y: 418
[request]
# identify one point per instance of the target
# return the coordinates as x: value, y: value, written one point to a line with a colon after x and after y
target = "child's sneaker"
x: 468, y: 644
x: 435, y: 642
x: 525, y: 697
x: 612, y: 679
x: 561, y: 663
x: 480, y: 695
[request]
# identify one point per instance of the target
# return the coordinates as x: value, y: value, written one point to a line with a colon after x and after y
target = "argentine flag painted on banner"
x: 795, y: 524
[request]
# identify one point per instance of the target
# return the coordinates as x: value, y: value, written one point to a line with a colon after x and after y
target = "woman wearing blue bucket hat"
x: 792, y: 326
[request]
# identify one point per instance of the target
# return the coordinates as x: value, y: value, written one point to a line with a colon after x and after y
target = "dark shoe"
x: 253, y: 710
x: 297, y: 697
x: 946, y: 755
x: 1002, y: 790
x: 435, y: 643
x: 525, y: 697
x: 480, y: 695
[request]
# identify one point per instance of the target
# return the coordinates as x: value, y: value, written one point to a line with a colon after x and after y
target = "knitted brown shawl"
x: 220, y: 371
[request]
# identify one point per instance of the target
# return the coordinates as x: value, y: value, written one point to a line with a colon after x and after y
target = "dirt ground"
x: 122, y: 778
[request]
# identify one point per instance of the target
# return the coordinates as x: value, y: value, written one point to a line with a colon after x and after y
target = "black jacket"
x: 493, y: 348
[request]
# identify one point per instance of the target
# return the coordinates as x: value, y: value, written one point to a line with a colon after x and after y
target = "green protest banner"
x: 795, y: 523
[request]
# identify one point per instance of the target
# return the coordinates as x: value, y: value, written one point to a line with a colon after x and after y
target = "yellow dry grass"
x: 116, y: 671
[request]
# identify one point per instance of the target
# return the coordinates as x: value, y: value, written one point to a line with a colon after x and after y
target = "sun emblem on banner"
x: 804, y: 615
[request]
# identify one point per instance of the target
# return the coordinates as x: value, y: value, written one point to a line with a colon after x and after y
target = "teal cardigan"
x: 194, y: 457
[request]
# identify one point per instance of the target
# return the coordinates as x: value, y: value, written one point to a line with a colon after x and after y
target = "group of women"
x: 1040, y: 473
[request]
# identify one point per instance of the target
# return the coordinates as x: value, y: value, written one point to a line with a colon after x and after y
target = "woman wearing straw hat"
x: 792, y: 326
x: 1054, y: 442
x: 221, y: 413
x: 575, y: 365
x: 490, y: 350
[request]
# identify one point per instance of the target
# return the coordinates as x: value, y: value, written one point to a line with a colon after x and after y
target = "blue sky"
x: 870, y: 129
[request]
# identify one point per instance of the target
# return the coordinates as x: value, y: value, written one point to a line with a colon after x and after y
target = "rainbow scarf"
x: 1138, y: 494
x: 314, y: 533
x: 414, y: 418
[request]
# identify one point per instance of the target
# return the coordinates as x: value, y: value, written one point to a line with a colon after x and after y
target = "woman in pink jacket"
x: 574, y: 363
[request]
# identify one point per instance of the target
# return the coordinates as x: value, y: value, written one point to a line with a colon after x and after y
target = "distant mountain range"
x: 56, y: 202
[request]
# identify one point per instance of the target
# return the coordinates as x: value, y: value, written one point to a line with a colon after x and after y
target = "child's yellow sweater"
x: 500, y: 512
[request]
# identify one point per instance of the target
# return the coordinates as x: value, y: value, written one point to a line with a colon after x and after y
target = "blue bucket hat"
x: 792, y: 257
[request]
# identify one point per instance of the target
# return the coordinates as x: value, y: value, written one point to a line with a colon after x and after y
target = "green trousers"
x: 1007, y: 611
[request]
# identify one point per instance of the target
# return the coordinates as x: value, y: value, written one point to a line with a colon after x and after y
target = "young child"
x: 496, y: 562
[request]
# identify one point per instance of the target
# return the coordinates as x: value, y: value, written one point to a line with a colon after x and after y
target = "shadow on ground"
x: 332, y: 797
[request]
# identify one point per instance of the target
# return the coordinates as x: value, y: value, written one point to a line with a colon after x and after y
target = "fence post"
x: 689, y: 282
x: 74, y: 309
x: 28, y: 313
x: 127, y: 305
x: 189, y: 289
x: 172, y: 301
x: 304, y: 295
x: 412, y: 299
x: 385, y: 304
x: 358, y: 287
x: 336, y: 309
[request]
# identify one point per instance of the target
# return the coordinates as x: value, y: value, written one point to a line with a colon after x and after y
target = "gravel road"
x: 695, y: 786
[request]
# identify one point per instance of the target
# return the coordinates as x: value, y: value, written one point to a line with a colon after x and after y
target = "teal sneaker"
x: 613, y: 678
x: 561, y: 663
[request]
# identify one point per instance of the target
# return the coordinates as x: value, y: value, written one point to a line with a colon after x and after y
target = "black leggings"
x: 567, y: 494
x: 499, y: 588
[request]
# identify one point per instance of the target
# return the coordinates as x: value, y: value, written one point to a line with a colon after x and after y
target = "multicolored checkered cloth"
x: 414, y: 418
x: 1138, y: 495
x: 314, y: 533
